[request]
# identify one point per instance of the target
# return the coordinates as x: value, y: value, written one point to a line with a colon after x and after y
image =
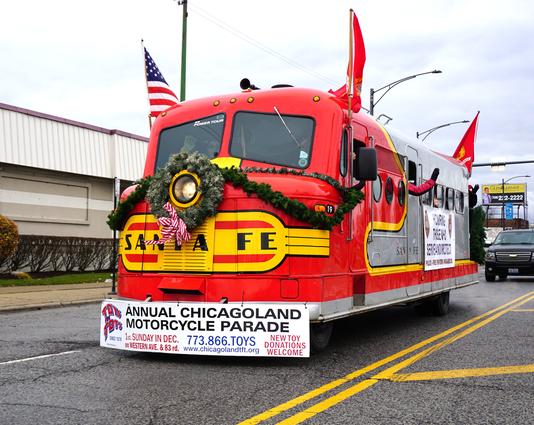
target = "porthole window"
x: 401, y: 193
x: 389, y: 190
x: 377, y: 188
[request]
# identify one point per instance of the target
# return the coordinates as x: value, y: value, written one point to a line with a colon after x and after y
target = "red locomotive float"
x: 303, y: 213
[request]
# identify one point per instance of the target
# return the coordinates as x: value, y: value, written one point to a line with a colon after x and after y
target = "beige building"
x: 57, y: 176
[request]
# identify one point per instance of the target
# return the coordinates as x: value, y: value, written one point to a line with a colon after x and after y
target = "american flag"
x: 160, y: 95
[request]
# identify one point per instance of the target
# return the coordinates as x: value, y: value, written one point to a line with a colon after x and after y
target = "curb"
x: 14, y: 309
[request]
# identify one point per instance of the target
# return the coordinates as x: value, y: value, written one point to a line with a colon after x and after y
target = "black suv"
x: 512, y: 253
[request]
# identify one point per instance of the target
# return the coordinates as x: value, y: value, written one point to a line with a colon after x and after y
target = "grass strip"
x: 58, y: 279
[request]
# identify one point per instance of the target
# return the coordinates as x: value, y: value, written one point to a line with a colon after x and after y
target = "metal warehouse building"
x: 57, y: 176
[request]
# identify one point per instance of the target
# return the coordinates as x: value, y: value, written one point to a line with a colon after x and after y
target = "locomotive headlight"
x: 184, y: 189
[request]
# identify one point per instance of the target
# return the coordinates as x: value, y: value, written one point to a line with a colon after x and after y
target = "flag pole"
x: 349, y: 127
x: 184, y: 48
x: 146, y: 84
x: 351, y: 64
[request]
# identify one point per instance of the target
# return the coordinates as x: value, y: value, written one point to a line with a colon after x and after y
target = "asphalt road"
x: 477, y: 371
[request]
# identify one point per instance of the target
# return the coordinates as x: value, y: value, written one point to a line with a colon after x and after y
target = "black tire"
x: 423, y: 309
x: 490, y: 277
x: 440, y: 304
x: 503, y: 276
x: 320, y: 334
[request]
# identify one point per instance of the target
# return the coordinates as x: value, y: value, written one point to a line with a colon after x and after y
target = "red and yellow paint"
x: 230, y: 242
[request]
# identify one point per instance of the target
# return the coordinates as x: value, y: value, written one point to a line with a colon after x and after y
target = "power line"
x: 239, y: 34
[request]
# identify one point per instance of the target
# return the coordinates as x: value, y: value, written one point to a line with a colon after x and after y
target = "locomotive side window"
x: 437, y: 202
x: 450, y: 199
x: 272, y: 138
x: 389, y: 190
x: 343, y: 163
x: 203, y: 135
x: 459, y: 204
x: 412, y: 172
x: 401, y: 193
x: 427, y: 197
x: 377, y: 188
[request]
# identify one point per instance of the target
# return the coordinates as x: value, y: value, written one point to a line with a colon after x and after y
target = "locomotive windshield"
x: 203, y: 135
x: 272, y: 138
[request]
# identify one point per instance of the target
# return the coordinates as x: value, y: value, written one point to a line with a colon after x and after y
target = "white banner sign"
x: 274, y: 330
x: 439, y: 238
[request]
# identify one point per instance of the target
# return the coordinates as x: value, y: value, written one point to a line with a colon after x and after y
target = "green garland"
x: 117, y: 217
x: 212, y: 181
x: 351, y: 197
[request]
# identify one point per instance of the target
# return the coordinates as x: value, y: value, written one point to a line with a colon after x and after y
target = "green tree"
x: 478, y: 235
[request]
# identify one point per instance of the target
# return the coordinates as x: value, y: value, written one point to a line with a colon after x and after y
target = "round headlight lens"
x: 185, y: 189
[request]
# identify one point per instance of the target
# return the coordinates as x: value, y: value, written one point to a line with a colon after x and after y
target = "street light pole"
x: 430, y: 131
x: 389, y: 86
x: 502, y: 209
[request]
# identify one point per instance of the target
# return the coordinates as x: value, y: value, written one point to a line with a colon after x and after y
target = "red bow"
x: 172, y: 227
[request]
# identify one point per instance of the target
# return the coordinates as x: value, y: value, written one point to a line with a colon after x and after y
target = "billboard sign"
x: 493, y: 194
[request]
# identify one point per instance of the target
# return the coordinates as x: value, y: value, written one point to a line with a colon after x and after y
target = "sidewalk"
x: 13, y: 298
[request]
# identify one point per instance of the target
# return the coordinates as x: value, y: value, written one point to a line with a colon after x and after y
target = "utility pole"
x: 184, y: 48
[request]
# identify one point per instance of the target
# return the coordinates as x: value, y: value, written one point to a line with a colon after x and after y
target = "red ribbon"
x: 172, y: 227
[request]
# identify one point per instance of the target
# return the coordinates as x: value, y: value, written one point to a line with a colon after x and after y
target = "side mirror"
x: 365, y: 165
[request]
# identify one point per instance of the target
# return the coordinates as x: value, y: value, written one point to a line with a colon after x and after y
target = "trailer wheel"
x: 440, y: 304
x: 423, y: 309
x: 320, y: 334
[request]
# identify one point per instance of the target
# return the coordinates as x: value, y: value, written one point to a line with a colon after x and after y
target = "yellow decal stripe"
x: 308, y: 242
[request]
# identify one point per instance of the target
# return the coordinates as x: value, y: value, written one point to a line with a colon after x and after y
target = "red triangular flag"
x: 465, y: 152
x: 358, y: 62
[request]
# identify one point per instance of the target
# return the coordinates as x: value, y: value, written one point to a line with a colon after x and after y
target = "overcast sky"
x: 83, y: 61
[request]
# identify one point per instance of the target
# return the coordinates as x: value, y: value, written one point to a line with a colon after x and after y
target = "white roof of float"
x: 34, y: 139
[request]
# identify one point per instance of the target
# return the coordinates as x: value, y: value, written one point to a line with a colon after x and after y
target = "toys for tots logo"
x: 112, y: 316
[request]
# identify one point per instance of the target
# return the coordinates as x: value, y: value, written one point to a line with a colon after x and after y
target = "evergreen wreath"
x: 211, y: 188
x: 212, y: 178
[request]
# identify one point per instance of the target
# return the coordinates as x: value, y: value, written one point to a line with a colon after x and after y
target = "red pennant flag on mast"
x: 465, y: 152
x: 353, y: 86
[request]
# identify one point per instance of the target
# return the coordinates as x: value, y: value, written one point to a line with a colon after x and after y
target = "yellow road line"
x: 389, y: 373
x: 353, y: 375
x: 386, y: 374
x: 461, y: 373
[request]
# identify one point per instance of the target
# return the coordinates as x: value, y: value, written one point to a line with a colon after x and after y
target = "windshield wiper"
x: 287, y: 128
